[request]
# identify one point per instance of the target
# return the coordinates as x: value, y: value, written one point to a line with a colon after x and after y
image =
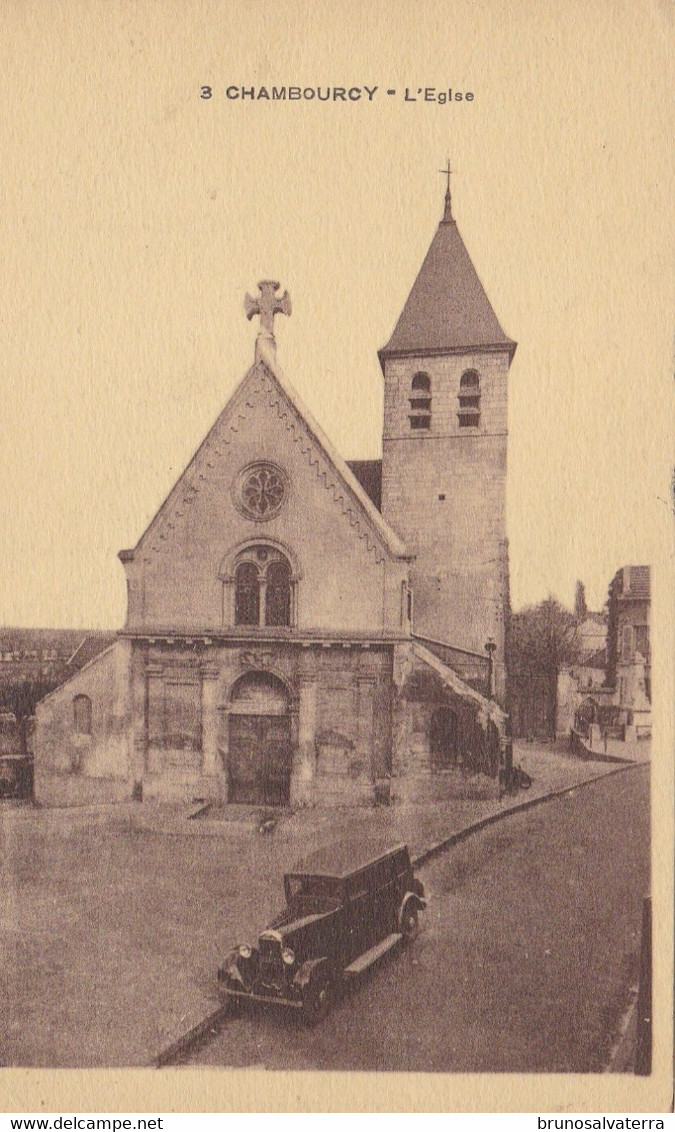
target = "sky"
x: 135, y: 215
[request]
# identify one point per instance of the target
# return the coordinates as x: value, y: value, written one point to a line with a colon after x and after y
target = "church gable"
x: 265, y: 477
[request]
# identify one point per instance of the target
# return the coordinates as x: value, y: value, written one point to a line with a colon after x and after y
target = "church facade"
x: 301, y: 631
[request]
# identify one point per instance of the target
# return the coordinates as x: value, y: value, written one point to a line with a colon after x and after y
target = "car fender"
x: 230, y: 973
x: 410, y: 898
x: 418, y: 887
x: 310, y: 970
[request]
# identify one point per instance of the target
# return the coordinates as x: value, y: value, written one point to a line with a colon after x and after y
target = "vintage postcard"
x: 336, y: 745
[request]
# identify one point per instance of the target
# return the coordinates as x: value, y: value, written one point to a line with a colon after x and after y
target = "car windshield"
x: 309, y: 891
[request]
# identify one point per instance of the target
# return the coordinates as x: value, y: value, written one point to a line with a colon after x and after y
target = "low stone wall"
x: 177, y: 787
x: 74, y: 790
x: 445, y: 786
x: 82, y: 735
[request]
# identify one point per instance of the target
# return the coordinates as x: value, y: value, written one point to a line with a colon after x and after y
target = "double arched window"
x: 420, y: 401
x: 263, y: 587
x: 469, y: 399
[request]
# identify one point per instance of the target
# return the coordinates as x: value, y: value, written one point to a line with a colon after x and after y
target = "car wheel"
x: 316, y: 1002
x: 410, y: 925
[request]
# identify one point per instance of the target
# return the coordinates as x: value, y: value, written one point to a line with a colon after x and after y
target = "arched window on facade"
x: 247, y: 594
x: 469, y: 399
x: 420, y: 401
x: 263, y: 588
x: 82, y: 715
x: 278, y: 594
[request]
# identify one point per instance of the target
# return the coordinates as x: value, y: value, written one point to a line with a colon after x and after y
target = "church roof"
x: 369, y: 475
x: 389, y: 537
x: 447, y: 309
x: 455, y: 682
x: 355, y: 497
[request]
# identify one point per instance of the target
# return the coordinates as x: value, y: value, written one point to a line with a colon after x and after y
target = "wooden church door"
x: 260, y: 759
x: 260, y: 753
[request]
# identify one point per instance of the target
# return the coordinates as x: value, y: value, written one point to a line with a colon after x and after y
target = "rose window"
x: 262, y: 490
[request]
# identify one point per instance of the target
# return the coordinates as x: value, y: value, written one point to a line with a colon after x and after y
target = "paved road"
x: 525, y: 962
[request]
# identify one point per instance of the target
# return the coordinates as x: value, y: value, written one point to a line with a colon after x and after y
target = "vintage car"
x: 346, y: 907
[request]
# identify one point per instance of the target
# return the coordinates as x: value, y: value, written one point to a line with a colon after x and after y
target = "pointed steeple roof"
x: 447, y: 310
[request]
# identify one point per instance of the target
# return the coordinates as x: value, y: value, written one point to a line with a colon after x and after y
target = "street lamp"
x: 490, y: 647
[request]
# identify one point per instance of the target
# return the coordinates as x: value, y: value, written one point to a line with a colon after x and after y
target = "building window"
x: 406, y: 605
x: 263, y: 588
x: 642, y: 640
x: 469, y: 399
x: 82, y: 715
x: 278, y: 594
x: 420, y: 401
x: 247, y: 594
x: 627, y: 644
x: 260, y: 490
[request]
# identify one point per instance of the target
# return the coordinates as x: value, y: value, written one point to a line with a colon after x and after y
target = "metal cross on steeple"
x: 267, y: 304
x: 447, y: 215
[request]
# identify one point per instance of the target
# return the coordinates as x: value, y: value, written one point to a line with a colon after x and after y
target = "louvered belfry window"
x: 469, y: 399
x: 420, y: 401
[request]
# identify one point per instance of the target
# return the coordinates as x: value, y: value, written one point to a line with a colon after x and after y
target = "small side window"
x: 82, y: 715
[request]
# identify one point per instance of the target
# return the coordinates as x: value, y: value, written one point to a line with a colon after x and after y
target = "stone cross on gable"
x: 267, y: 304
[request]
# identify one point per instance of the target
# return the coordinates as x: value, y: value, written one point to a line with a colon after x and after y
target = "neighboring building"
x: 300, y: 630
x: 42, y: 658
x: 591, y: 639
x: 33, y: 661
x: 628, y: 645
x: 587, y: 676
x: 618, y: 710
x: 36, y: 654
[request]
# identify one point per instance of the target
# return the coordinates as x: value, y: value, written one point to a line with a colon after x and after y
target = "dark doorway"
x: 443, y: 737
x: 259, y: 760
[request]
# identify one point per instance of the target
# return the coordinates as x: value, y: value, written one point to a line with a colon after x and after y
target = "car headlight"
x: 288, y: 956
x: 245, y: 951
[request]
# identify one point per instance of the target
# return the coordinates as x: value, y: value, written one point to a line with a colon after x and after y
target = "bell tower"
x: 446, y: 370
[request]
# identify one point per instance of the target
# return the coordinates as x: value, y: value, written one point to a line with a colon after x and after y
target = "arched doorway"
x: 260, y: 751
x: 443, y: 737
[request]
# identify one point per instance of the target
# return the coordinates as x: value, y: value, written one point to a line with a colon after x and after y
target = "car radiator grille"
x: 270, y: 966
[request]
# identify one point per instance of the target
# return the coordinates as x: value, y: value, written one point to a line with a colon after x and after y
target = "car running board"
x: 369, y: 957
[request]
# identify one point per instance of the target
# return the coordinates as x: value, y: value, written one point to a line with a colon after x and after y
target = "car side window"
x: 383, y: 873
x: 358, y: 885
x: 402, y: 866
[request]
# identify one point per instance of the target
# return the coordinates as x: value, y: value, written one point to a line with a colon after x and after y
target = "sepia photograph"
x: 338, y: 497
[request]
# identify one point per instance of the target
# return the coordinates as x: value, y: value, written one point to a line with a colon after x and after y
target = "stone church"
x: 303, y: 631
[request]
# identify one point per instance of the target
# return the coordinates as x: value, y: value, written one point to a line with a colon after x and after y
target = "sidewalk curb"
x: 190, y: 1038
x: 195, y: 1034
x: 517, y: 807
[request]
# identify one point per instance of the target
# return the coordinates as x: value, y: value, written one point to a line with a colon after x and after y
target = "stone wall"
x: 336, y: 699
x: 444, y: 493
x: 181, y: 573
x: 445, y: 745
x: 155, y: 720
x: 82, y: 735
